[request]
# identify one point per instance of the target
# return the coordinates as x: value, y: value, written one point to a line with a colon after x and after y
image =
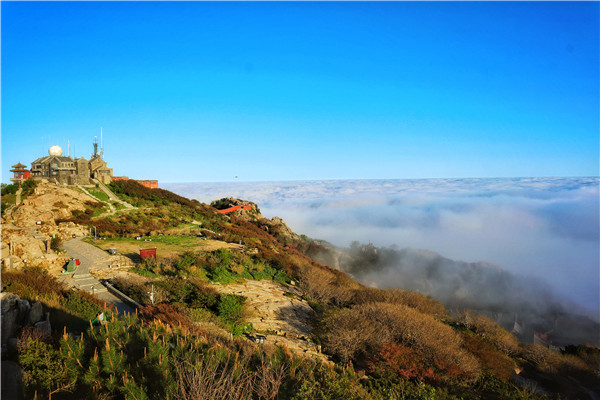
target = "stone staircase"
x: 88, y: 283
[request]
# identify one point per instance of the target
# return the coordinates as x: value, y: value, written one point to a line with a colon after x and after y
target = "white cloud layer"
x: 544, y: 227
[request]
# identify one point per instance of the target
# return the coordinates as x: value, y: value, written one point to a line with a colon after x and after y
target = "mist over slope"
x: 547, y: 228
x: 501, y: 295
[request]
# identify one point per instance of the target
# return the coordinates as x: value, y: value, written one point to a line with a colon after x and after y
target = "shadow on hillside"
x: 297, y: 318
x: 134, y: 257
x: 59, y: 318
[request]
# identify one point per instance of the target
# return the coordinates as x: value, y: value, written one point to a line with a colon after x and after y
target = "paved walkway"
x: 18, y: 198
x: 89, y: 256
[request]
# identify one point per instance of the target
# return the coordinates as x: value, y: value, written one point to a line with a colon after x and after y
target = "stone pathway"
x: 90, y: 256
x: 111, y: 196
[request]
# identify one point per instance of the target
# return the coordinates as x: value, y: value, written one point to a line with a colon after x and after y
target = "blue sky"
x: 200, y: 91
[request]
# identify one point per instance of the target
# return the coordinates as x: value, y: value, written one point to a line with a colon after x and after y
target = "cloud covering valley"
x: 547, y: 228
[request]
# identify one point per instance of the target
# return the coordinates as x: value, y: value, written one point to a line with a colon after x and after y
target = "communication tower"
x: 95, y: 146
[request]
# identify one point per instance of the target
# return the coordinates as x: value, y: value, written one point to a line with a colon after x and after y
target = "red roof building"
x: 21, y: 173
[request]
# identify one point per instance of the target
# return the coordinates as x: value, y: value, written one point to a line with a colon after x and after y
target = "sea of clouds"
x: 547, y: 228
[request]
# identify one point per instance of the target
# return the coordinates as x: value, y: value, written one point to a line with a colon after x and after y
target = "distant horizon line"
x: 372, y: 179
x: 388, y: 179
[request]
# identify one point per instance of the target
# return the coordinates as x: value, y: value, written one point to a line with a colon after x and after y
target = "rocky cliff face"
x: 275, y: 226
x: 18, y: 313
x: 253, y: 214
x: 27, y: 230
x: 50, y: 202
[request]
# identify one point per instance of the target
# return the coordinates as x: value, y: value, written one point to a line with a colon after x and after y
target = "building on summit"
x: 21, y: 173
x: 71, y: 171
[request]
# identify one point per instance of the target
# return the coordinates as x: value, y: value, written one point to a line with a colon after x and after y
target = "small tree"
x: 56, y: 243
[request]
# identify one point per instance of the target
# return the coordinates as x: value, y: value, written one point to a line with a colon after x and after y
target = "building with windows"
x: 71, y: 171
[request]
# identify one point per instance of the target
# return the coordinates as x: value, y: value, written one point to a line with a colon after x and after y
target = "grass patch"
x: 144, y: 272
x: 99, y: 194
x: 167, y: 246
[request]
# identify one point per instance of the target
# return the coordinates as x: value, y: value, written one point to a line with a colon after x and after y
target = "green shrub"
x: 32, y: 282
x: 384, y: 389
x: 223, y: 275
x: 224, y: 256
x: 230, y: 308
x: 135, y: 291
x: 28, y: 186
x: 10, y: 189
x: 43, y: 366
x: 325, y: 383
x: 79, y: 306
x: 239, y: 330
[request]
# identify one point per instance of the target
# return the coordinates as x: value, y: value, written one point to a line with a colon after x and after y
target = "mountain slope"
x: 402, y: 341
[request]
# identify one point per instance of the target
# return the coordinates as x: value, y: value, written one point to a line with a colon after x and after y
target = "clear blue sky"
x: 198, y: 91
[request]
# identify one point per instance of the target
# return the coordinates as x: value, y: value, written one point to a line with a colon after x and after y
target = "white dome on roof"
x: 55, y: 150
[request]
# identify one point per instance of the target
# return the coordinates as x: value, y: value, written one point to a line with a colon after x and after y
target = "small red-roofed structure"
x: 234, y: 208
x: 21, y: 173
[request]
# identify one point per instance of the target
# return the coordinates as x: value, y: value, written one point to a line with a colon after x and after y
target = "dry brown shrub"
x: 207, y: 378
x: 492, y: 360
x: 490, y: 332
x: 368, y: 326
x: 267, y: 380
x: 370, y: 295
x: 592, y: 360
x: 536, y: 354
x: 349, y: 333
x: 399, y: 361
x: 170, y: 315
x: 438, y: 343
x: 317, y: 283
x: 553, y: 362
x: 424, y: 304
x: 326, y: 285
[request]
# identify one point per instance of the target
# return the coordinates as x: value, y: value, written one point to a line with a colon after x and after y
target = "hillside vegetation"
x: 382, y: 344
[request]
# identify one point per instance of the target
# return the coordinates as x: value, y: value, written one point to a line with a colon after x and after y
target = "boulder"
x: 12, y: 381
x: 24, y: 307
x: 36, y: 314
x: 10, y: 315
x: 44, y: 326
x: 12, y: 344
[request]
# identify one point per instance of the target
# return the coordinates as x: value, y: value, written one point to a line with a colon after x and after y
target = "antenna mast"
x: 101, y: 146
x: 95, y: 146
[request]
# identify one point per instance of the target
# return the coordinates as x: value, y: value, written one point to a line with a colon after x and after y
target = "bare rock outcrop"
x: 30, y: 227
x: 49, y: 203
x: 248, y: 210
x: 18, y: 313
x: 280, y: 312
x: 276, y: 226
